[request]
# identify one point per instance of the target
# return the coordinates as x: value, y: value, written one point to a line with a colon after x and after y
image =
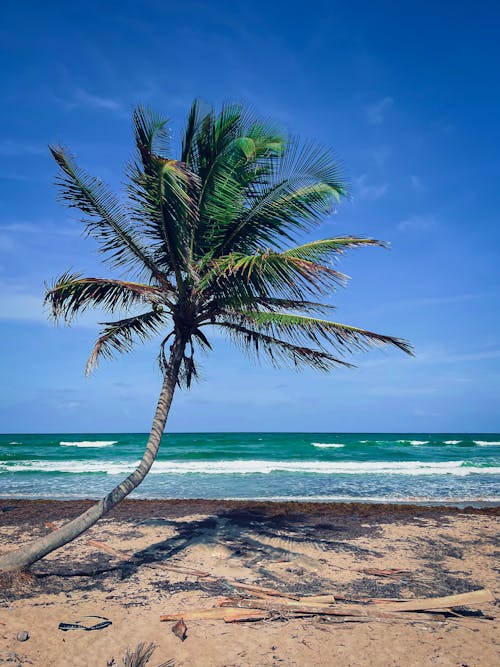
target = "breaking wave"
x: 89, y: 443
x: 414, y: 442
x: 486, y: 443
x: 245, y: 467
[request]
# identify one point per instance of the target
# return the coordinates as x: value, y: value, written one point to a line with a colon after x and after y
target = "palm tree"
x: 203, y: 238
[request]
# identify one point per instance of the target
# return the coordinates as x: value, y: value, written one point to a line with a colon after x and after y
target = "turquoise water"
x: 317, y: 466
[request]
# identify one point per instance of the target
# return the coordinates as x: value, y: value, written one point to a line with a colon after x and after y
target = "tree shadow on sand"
x: 251, y: 538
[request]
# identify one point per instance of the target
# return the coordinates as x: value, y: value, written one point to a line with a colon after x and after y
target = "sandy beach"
x: 303, y: 549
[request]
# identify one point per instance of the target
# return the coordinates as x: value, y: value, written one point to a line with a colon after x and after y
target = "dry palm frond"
x: 141, y: 655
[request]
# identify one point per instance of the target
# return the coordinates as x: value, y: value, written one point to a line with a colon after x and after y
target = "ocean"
x: 369, y: 467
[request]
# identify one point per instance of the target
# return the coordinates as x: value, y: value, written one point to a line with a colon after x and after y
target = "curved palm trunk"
x: 24, y: 557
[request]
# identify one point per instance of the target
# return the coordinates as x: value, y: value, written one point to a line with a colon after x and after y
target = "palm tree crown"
x: 206, y: 238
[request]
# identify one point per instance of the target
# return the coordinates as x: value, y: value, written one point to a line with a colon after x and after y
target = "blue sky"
x: 406, y: 93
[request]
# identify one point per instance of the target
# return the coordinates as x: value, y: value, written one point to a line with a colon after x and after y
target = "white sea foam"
x: 70, y: 466
x: 244, y: 467
x: 89, y: 443
x: 486, y: 443
x: 15, y: 443
x: 424, y: 500
x: 415, y: 442
x: 452, y: 442
x: 327, y: 445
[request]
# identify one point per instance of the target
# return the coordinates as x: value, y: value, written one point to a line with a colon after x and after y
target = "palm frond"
x: 270, y: 274
x: 342, y: 337
x: 151, y: 133
x: 217, y: 159
x: 280, y: 352
x: 107, y: 221
x: 164, y: 203
x: 327, y: 249
x: 72, y: 294
x: 236, y: 302
x: 190, y: 131
x: 301, y: 187
x: 164, y: 195
x: 120, y: 336
x: 231, y: 152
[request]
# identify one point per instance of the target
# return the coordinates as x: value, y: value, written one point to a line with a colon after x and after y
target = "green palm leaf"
x: 271, y: 274
x: 230, y: 155
x: 327, y: 249
x: 251, y: 303
x: 164, y: 194
x: 301, y: 187
x: 164, y: 203
x: 151, y: 133
x: 300, y: 327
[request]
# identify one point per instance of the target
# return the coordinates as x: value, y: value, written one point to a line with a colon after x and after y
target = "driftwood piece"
x: 269, y: 602
x: 290, y: 607
x: 389, y: 572
x: 472, y: 598
x: 321, y: 599
x: 263, y: 590
x: 246, y: 615
x: 216, y: 613
x: 310, y: 599
x: 241, y: 609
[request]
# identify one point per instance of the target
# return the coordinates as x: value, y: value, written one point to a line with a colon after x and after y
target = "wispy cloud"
x: 21, y: 307
x: 410, y: 305
x: 9, y: 236
x: 78, y: 98
x: 418, y: 412
x: 10, y: 148
x: 377, y: 111
x: 24, y: 228
x: 92, y: 101
x: 484, y: 355
x: 416, y: 183
x: 381, y: 154
x: 364, y: 190
x: 7, y: 243
x: 401, y: 391
x: 417, y: 223
x: 16, y: 235
x: 439, y: 355
x: 424, y: 301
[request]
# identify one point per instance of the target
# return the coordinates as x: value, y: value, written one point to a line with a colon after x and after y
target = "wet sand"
x: 303, y: 548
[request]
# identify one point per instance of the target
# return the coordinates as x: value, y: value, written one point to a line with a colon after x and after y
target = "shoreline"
x: 14, y: 510
x: 460, y: 503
